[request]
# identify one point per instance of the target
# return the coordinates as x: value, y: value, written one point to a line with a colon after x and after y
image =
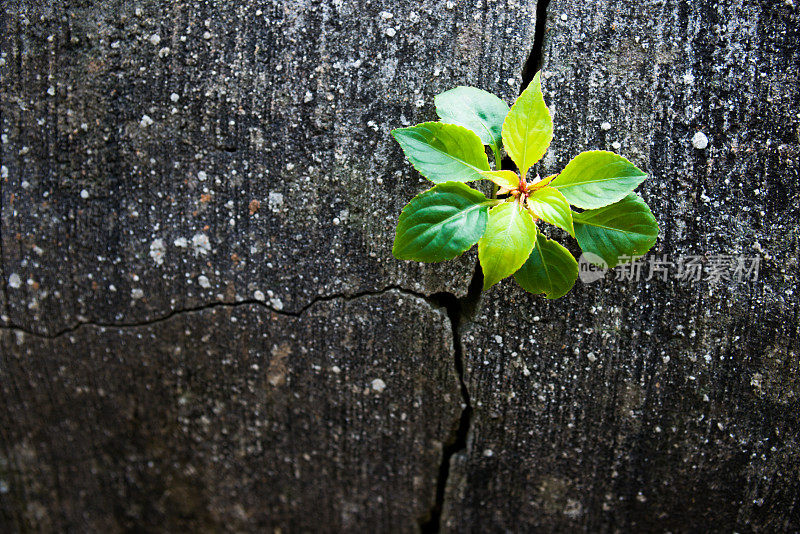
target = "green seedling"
x: 612, y: 222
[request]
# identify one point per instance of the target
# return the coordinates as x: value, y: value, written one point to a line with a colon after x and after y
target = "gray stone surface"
x: 198, y: 202
x: 638, y: 406
x: 234, y: 418
x: 198, y: 298
x: 162, y: 155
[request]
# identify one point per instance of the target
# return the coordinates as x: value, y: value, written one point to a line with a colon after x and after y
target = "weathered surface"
x: 233, y: 418
x: 201, y: 178
x: 158, y: 156
x: 213, y: 175
x: 655, y: 405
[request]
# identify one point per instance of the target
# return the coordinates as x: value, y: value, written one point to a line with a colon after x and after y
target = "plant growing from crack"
x: 612, y: 223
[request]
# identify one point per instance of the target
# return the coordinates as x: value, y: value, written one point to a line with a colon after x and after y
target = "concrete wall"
x: 203, y: 328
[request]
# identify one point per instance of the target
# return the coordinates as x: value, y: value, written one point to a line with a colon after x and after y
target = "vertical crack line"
x: 463, y: 311
x: 534, y: 62
x: 460, y: 312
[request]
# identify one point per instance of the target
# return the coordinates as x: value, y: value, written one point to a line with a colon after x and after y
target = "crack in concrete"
x: 536, y: 58
x: 431, y: 300
x: 464, y: 310
x: 460, y: 311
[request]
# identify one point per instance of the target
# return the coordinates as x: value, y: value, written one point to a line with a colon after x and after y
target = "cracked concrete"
x: 206, y: 328
x: 144, y: 218
x: 641, y: 405
x: 231, y: 417
x: 260, y: 303
x: 207, y: 331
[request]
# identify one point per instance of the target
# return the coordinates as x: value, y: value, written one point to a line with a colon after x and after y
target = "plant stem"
x: 498, y: 162
x: 498, y: 165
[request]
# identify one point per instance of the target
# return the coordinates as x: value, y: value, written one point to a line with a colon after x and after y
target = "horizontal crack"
x: 214, y: 305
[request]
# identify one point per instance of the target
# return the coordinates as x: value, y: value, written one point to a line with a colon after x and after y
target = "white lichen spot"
x: 51, y: 91
x: 275, y: 201
x: 308, y: 97
x: 616, y: 145
x: 174, y: 97
x: 390, y: 32
x: 591, y: 357
x: 378, y: 385
x: 164, y: 52
x: 84, y: 194
x: 606, y: 126
x: 688, y: 78
x: 564, y: 17
x: 155, y: 39
x: 200, y: 244
x: 335, y: 369
x: 259, y: 295
x: 276, y: 303
x: 146, y: 121
x: 203, y: 281
x: 181, y: 242
x: 386, y: 15
x: 14, y: 281
x: 202, y: 176
x: 3, y: 171
x: 136, y: 293
x: 157, y: 250
x: 700, y: 141
x: 498, y: 338
x: 488, y: 453
x: 755, y: 380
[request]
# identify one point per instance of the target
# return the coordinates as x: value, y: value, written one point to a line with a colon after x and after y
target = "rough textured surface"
x: 163, y: 155
x: 232, y: 418
x: 169, y: 167
x: 197, y: 210
x: 655, y: 405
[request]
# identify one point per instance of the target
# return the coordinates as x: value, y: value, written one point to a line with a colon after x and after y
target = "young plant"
x: 613, y: 223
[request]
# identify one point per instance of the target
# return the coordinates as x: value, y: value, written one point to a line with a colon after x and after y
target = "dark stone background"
x: 203, y: 328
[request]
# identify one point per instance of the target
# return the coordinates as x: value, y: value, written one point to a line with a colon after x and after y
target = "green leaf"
x: 507, y: 243
x: 551, y: 206
x: 476, y: 109
x: 441, y: 223
x: 528, y: 128
x: 626, y: 228
x: 505, y: 179
x: 550, y: 269
x: 597, y: 178
x: 443, y: 152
